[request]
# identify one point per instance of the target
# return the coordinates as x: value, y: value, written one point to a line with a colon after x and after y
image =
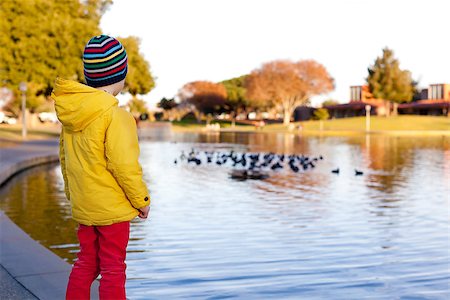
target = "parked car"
x: 4, y: 119
x: 47, y: 117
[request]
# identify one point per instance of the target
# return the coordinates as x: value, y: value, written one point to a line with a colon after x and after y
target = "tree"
x: 388, y: 82
x: 285, y: 84
x: 137, y: 106
x: 236, y: 95
x: 43, y: 39
x: 417, y: 93
x: 329, y: 102
x: 139, y: 79
x: 321, y: 114
x: 167, y: 104
x: 170, y: 108
x: 207, y: 97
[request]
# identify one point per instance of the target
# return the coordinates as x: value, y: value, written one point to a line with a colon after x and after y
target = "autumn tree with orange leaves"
x: 285, y: 85
x: 207, y: 97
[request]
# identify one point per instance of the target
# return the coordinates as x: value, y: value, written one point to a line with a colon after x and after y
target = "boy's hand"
x: 143, y: 212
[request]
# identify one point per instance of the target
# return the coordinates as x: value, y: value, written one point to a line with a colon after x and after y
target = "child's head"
x: 105, y: 62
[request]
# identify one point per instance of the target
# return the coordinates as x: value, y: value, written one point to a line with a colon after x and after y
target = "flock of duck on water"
x: 253, y: 165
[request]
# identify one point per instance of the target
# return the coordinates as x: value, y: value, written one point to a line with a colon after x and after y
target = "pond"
x: 312, y: 234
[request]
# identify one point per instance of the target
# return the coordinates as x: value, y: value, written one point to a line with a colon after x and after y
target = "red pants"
x: 103, y: 251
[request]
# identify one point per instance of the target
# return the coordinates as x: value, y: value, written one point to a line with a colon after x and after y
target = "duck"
x: 358, y: 173
x: 239, y: 174
x: 276, y: 166
x: 294, y: 167
x: 195, y: 160
x: 248, y: 174
x: 335, y: 171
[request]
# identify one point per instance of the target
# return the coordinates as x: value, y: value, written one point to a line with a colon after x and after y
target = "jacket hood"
x: 77, y: 105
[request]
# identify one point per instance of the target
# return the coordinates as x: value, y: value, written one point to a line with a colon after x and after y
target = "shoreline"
x: 321, y: 132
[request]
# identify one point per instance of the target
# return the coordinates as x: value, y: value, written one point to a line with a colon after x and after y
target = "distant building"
x: 360, y: 96
x: 303, y: 113
x: 439, y: 91
x: 423, y: 94
x: 360, y: 93
x: 433, y: 101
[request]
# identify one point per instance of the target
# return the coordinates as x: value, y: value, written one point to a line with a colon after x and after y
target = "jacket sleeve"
x: 122, y: 157
x: 62, y: 160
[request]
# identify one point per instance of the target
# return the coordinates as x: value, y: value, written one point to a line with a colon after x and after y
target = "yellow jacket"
x: 99, y: 154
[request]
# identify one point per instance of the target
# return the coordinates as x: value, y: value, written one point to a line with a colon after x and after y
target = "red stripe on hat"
x: 102, y: 49
x: 110, y: 72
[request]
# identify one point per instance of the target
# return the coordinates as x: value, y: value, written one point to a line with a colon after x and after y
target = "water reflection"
x: 35, y: 201
x: 315, y: 234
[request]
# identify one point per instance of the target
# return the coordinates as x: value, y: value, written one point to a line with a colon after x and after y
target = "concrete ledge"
x: 11, y: 289
x: 10, y: 171
x: 41, y: 272
x: 28, y: 269
x: 30, y: 263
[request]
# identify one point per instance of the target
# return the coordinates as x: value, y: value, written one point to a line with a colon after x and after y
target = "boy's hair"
x: 105, y: 61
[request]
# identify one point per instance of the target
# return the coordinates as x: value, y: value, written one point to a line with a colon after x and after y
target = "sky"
x: 214, y: 40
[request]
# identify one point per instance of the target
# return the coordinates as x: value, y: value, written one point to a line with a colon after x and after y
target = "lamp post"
x: 23, y: 89
x: 368, y: 118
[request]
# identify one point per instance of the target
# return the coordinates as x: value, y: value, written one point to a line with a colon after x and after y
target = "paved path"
x: 17, y: 156
x: 27, y: 269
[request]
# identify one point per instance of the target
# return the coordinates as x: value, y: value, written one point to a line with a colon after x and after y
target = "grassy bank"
x: 383, y: 123
x: 348, y: 125
x: 14, y: 132
x: 192, y: 125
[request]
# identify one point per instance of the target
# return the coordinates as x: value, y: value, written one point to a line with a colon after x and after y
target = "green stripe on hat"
x: 98, y: 39
x: 89, y: 66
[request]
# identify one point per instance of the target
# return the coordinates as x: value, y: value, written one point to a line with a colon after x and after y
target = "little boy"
x: 99, y: 154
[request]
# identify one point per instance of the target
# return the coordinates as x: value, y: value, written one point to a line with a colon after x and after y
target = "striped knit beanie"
x: 105, y: 61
